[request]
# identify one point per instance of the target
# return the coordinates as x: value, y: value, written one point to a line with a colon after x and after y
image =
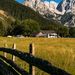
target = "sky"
x: 46, y: 0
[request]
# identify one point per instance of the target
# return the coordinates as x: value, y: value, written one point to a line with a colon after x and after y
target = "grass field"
x: 58, y: 51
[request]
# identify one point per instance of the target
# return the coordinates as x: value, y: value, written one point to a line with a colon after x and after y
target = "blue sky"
x: 20, y: 1
x: 46, y: 0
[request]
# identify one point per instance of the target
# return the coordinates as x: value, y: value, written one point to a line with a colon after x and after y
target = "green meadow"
x: 60, y: 52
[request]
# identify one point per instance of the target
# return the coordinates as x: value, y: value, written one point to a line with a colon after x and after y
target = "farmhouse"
x: 48, y: 34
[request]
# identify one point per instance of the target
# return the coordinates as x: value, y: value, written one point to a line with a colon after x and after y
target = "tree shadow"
x: 39, y: 63
x: 15, y: 66
x: 6, y: 69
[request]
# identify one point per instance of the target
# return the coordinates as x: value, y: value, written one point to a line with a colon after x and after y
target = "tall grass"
x: 58, y: 51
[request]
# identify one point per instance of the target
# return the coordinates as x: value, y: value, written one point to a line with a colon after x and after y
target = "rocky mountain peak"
x: 67, y: 5
x: 43, y: 7
x: 64, y: 12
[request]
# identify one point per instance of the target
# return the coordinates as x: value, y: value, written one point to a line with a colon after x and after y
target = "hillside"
x: 13, y: 18
x: 21, y: 12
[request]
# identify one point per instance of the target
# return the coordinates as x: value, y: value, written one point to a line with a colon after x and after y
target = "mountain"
x: 21, y: 12
x: 68, y: 19
x: 43, y: 7
x: 67, y: 5
x: 64, y: 12
x: 10, y: 10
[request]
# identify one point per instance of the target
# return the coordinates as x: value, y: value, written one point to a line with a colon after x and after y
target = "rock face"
x: 64, y: 12
x: 67, y: 5
x: 68, y: 19
x: 43, y: 7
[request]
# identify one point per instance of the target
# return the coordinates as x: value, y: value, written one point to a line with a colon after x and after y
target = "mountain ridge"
x: 20, y: 11
x: 65, y: 9
x: 16, y: 11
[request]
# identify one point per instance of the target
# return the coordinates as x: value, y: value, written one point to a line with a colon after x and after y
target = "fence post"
x: 13, y: 57
x: 4, y: 53
x: 32, y: 52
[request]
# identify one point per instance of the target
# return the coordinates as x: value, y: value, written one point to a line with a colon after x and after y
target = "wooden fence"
x: 31, y: 52
x: 31, y: 59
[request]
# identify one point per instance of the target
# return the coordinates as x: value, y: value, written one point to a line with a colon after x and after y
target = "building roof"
x: 47, y: 31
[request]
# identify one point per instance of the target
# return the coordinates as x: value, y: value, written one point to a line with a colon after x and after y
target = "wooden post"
x: 13, y: 57
x: 4, y: 53
x: 32, y: 52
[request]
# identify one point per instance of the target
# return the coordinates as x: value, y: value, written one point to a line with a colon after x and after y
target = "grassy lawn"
x: 58, y: 51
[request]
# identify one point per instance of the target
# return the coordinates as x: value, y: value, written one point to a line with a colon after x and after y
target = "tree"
x: 72, y: 32
x: 16, y: 28
x: 63, y: 31
x: 26, y: 27
x: 2, y: 29
x: 30, y: 27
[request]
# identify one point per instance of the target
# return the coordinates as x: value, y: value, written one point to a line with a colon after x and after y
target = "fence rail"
x: 31, y: 59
